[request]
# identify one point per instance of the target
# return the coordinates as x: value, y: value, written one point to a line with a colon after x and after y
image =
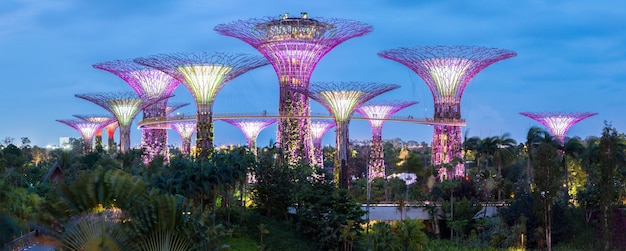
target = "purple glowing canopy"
x: 558, y: 122
x: 377, y: 111
x: 147, y: 82
x: 294, y: 41
x: 342, y: 98
x: 447, y: 69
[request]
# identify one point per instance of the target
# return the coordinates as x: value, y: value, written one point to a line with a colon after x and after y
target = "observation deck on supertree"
x: 447, y: 70
x: 341, y: 99
x: 319, y: 127
x: 558, y: 122
x: 251, y: 129
x: 294, y: 46
x: 86, y: 129
x: 149, y: 84
x: 185, y: 129
x: 124, y: 106
x: 204, y: 75
x: 377, y: 112
x: 97, y: 119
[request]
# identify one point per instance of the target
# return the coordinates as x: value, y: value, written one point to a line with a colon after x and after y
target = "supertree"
x: 185, y: 128
x: 447, y: 70
x: 319, y: 127
x: 149, y: 84
x: 97, y: 119
x: 111, y: 135
x: 87, y: 129
x: 376, y: 112
x: 124, y: 106
x: 558, y: 122
x: 204, y: 75
x: 340, y: 99
x: 251, y: 129
x: 172, y: 107
x: 294, y: 46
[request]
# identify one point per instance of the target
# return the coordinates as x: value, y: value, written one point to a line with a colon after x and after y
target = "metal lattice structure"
x: 86, y: 129
x: 294, y: 46
x: 97, y: 119
x: 149, y: 84
x: 377, y: 112
x: 251, y: 129
x: 341, y: 99
x: 319, y: 127
x: 172, y: 107
x: 124, y: 106
x: 447, y: 70
x: 185, y: 129
x: 558, y: 122
x: 204, y: 75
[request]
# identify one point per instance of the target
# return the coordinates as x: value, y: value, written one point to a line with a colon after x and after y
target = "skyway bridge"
x: 165, y: 122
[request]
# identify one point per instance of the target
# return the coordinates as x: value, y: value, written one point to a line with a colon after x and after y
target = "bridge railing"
x: 162, y: 121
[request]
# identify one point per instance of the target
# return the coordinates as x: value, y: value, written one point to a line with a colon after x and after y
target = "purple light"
x: 86, y: 129
x: 318, y: 129
x: 185, y: 129
x: 204, y: 75
x: 124, y: 106
x: 447, y: 70
x: 558, y: 122
x: 98, y: 119
x: 377, y: 112
x: 251, y: 129
x: 294, y: 46
x: 341, y: 98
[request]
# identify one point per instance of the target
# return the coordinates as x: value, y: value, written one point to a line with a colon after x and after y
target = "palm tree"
x: 503, y: 156
x: 534, y: 137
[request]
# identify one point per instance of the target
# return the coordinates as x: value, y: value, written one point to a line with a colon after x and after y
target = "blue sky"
x: 571, y: 57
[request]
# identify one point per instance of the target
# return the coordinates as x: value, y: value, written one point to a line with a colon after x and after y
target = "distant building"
x: 55, y: 174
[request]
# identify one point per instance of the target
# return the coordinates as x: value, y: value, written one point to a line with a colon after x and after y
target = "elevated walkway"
x: 164, y: 122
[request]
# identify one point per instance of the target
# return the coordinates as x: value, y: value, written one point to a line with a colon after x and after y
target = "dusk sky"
x: 571, y: 57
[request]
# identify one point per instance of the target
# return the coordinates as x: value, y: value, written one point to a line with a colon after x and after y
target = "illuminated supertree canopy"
x: 124, y: 106
x: 185, y: 129
x: 558, y: 122
x: 87, y: 129
x: 294, y: 46
x: 149, y: 84
x: 447, y: 70
x: 172, y: 107
x: 319, y: 127
x: 97, y: 119
x: 251, y: 129
x: 341, y: 99
x: 377, y: 111
x: 204, y: 75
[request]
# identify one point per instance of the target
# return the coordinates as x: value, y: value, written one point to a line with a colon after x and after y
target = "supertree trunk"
x: 294, y: 132
x: 204, y: 134
x: 99, y: 139
x: 186, y: 147
x: 154, y: 141
x: 154, y: 144
x: 124, y: 138
x: 111, y: 144
x: 318, y: 155
x: 377, y: 156
x: 252, y: 145
x: 87, y: 145
x: 341, y: 173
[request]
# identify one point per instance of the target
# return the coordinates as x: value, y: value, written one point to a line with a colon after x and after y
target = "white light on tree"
x: 204, y: 80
